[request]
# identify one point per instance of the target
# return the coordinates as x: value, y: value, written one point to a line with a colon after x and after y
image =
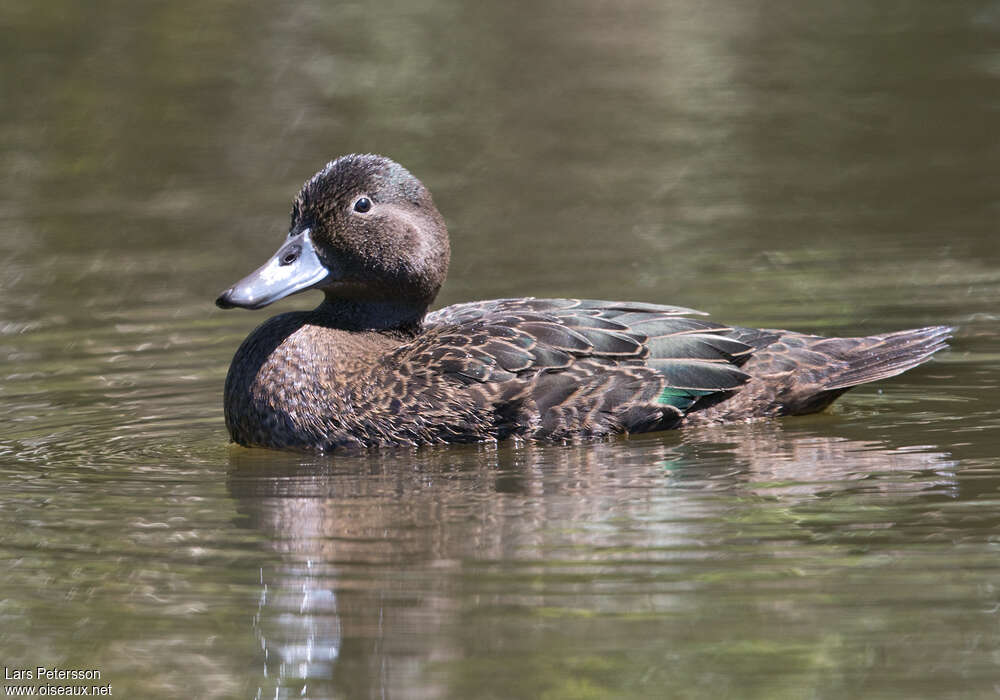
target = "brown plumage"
x: 369, y: 366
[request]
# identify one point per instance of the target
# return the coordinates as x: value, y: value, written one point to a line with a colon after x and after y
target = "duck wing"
x: 560, y: 368
x: 796, y: 373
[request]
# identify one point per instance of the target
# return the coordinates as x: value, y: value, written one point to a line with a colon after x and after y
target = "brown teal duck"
x: 370, y: 366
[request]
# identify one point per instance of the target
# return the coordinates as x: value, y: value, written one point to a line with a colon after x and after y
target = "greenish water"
x: 831, y: 168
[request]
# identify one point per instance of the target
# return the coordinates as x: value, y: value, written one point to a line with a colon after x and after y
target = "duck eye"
x: 362, y: 205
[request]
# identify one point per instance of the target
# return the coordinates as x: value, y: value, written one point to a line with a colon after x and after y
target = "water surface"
x: 832, y: 169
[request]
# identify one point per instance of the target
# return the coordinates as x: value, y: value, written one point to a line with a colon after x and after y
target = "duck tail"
x: 879, y: 356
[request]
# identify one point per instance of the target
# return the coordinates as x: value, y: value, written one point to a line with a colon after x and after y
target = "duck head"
x: 366, y: 233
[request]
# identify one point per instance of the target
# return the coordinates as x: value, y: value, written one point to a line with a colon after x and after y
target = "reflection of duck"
x: 785, y: 465
x: 369, y: 366
x: 392, y: 562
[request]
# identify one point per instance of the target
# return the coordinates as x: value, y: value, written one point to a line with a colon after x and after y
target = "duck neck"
x: 392, y: 317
